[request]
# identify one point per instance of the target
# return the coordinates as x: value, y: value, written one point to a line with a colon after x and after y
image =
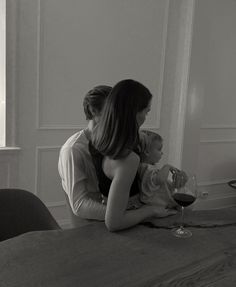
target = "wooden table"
x: 141, y: 256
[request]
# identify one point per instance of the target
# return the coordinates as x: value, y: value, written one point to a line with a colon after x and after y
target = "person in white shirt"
x: 75, y: 165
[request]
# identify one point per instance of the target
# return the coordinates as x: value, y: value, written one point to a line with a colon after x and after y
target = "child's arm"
x: 179, y: 178
x: 161, y: 177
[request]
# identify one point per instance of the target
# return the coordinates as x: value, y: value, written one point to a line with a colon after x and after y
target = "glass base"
x: 182, y: 232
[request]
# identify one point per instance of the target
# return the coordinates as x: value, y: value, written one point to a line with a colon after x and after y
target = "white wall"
x: 60, y: 49
x: 210, y: 138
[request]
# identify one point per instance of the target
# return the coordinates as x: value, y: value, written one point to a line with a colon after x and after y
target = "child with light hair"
x: 157, y: 184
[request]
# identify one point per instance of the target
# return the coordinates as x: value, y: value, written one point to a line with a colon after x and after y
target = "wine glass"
x: 185, y: 196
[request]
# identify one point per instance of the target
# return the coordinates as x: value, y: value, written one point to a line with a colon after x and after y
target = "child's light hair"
x: 146, y: 140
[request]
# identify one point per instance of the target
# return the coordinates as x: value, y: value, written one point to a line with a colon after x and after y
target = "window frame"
x: 11, y: 19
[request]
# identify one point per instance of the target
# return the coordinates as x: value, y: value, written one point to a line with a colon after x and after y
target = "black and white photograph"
x: 117, y: 143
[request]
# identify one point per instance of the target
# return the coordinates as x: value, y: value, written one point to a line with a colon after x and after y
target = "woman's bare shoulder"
x: 132, y: 159
x: 126, y: 164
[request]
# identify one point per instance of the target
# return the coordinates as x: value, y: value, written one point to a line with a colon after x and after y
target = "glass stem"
x: 182, y: 218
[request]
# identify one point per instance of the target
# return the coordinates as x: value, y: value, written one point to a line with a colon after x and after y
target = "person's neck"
x: 89, y: 129
x: 91, y: 125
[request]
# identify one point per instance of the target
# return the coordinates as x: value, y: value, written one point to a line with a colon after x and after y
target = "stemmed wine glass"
x: 185, y: 196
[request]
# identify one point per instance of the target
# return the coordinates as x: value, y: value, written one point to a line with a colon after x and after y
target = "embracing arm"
x: 117, y: 217
x: 80, y: 188
x: 91, y: 209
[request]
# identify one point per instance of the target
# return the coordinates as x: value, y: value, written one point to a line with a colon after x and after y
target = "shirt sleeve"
x: 91, y: 209
x: 80, y: 184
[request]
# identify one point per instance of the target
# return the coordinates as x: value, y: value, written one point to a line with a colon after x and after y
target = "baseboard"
x: 215, y: 202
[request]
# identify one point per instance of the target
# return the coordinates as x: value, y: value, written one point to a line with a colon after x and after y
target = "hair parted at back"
x: 95, y: 99
x: 117, y: 132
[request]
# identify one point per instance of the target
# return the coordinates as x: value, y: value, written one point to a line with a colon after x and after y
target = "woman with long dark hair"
x: 115, y: 153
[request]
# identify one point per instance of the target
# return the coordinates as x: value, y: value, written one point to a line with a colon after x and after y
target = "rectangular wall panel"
x: 86, y: 43
x: 48, y: 185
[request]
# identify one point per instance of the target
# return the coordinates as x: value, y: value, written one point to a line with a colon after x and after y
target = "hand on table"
x: 163, y: 212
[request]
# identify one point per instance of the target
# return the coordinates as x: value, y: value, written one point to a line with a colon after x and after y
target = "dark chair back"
x: 22, y: 211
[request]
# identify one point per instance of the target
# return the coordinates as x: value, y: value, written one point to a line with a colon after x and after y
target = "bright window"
x: 2, y: 73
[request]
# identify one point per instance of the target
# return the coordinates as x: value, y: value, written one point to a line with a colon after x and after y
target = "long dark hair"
x: 116, y: 134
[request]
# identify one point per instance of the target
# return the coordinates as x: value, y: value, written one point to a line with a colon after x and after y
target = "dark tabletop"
x: 141, y: 256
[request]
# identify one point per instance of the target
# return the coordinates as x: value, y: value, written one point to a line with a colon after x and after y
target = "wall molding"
x: 9, y: 150
x: 38, y: 150
x: 218, y: 141
x: 213, y: 182
x: 218, y: 127
x: 38, y: 62
x: 40, y: 126
x: 12, y: 23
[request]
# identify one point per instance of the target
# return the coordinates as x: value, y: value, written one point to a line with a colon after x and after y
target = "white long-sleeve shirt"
x: 78, y: 177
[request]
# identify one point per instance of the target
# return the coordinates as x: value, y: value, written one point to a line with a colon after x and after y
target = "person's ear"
x: 93, y: 112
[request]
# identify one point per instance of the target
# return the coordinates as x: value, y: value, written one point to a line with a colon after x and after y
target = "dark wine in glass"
x: 183, y: 199
x: 185, y: 196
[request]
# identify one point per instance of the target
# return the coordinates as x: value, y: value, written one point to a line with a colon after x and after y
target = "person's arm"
x: 84, y: 203
x: 160, y: 177
x: 117, y: 217
x: 91, y: 209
